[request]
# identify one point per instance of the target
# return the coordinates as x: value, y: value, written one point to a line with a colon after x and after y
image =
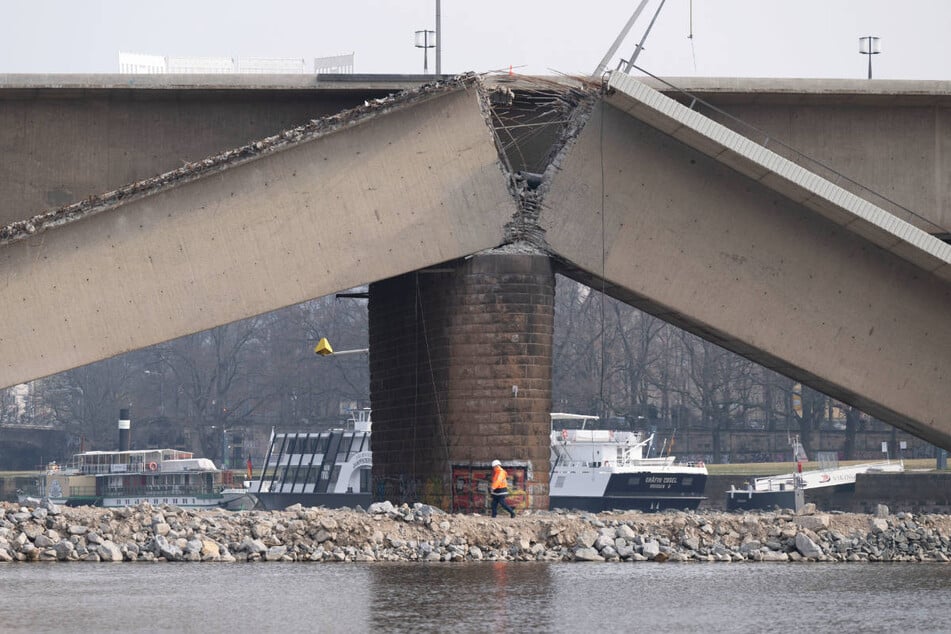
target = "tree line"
x: 609, y: 359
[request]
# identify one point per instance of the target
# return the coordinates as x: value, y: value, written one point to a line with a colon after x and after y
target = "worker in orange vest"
x: 500, y: 489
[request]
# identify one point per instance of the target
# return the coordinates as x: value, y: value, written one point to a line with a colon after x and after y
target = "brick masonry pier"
x: 460, y: 375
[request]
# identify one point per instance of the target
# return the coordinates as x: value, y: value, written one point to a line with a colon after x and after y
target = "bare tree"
x: 577, y: 384
x: 86, y: 401
x: 813, y: 411
x: 636, y: 352
x: 210, y: 367
x: 719, y: 383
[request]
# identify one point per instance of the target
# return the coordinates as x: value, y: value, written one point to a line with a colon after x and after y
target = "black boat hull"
x: 639, y: 491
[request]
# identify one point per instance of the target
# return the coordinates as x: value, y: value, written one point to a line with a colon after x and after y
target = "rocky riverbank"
x: 385, y: 532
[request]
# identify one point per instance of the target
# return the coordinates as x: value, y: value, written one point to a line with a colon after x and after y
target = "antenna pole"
x: 620, y: 38
x: 640, y: 45
x: 438, y: 39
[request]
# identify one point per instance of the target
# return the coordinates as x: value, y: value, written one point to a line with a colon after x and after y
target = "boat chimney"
x: 125, y: 430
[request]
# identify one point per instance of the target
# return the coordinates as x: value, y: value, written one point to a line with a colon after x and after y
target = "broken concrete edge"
x: 313, y: 130
x: 578, y: 96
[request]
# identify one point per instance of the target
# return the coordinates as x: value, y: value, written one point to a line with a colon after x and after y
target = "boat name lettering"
x: 660, y: 480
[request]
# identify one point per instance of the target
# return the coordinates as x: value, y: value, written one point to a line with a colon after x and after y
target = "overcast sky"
x: 731, y: 38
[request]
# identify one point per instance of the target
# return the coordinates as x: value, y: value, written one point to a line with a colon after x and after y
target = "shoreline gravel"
x: 385, y: 532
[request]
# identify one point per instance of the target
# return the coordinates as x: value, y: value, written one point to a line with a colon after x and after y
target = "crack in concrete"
x: 518, y: 111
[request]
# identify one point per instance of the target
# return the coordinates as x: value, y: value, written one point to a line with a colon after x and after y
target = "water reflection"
x: 472, y: 597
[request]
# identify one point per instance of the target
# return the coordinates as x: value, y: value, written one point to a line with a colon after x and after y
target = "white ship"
x: 596, y: 469
x: 128, y: 478
x: 789, y: 490
x: 329, y: 468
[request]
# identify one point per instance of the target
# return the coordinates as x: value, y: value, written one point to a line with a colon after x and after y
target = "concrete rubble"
x: 385, y: 532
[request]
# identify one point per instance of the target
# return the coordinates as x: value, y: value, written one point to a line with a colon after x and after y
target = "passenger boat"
x: 596, y: 469
x: 329, y: 468
x: 130, y: 477
x: 790, y: 490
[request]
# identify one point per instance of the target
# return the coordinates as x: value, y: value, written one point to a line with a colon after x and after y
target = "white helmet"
x: 496, y: 463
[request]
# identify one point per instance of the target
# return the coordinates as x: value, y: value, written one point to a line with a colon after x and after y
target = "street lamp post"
x: 224, y: 448
x: 870, y: 45
x: 425, y: 40
x: 225, y: 458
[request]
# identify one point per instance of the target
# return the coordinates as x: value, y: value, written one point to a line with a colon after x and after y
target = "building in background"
x: 139, y: 63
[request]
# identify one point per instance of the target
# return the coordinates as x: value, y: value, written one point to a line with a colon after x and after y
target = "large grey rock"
x: 164, y: 548
x: 807, y: 547
x: 380, y: 507
x: 769, y: 555
x: 625, y: 552
x: 587, y: 554
x: 261, y: 529
x: 650, y: 549
x: 42, y: 541
x: 32, y: 529
x: 395, y: 541
x: 691, y: 543
x: 209, y: 549
x: 109, y: 551
x: 877, y: 525
x: 625, y: 532
x: 603, y: 542
x: 813, y: 522
x: 587, y: 538
x: 63, y: 549
x: 255, y: 546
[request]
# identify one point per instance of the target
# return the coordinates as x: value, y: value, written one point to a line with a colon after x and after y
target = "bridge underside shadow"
x: 692, y: 241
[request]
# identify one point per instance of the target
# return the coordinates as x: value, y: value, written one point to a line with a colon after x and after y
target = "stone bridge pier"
x: 460, y: 375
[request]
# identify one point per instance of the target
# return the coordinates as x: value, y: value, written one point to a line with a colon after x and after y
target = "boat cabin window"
x: 345, y: 442
x: 309, y: 444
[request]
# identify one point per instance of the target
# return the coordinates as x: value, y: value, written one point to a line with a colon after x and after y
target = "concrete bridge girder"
x: 889, y: 135
x: 688, y: 239
x: 389, y: 193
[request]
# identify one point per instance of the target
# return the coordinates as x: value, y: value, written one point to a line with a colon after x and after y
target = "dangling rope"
x: 693, y: 51
x: 421, y: 321
x: 603, y: 256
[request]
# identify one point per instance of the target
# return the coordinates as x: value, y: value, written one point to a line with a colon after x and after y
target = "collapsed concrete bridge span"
x: 675, y: 214
x: 457, y: 202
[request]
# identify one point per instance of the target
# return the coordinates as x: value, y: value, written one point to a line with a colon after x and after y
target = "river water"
x: 475, y: 597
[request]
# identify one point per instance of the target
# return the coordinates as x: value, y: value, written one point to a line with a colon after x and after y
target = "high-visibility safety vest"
x: 500, y: 482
